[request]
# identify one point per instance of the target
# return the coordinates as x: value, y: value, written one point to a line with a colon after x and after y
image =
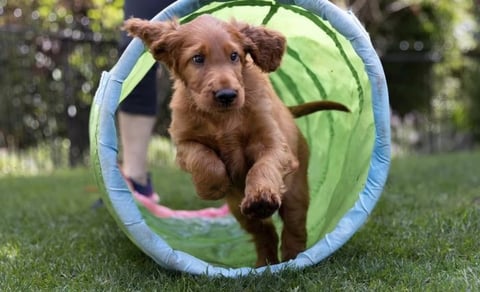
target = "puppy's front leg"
x: 264, y: 183
x: 208, y: 172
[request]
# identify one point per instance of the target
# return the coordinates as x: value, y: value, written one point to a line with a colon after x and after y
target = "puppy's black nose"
x: 225, y: 96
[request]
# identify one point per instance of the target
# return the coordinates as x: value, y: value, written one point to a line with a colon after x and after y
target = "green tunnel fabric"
x: 342, y: 142
x: 320, y: 63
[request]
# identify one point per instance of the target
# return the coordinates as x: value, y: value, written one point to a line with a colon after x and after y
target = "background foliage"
x: 429, y: 49
x: 53, y: 51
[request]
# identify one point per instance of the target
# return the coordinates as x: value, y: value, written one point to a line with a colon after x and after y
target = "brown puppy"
x: 233, y: 134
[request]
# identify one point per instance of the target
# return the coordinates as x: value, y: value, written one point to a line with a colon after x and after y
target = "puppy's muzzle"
x: 225, y: 96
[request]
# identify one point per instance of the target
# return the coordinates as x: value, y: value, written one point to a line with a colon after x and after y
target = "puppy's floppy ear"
x: 157, y: 36
x: 265, y: 46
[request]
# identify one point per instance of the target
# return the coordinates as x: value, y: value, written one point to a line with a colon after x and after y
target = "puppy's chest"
x: 233, y: 149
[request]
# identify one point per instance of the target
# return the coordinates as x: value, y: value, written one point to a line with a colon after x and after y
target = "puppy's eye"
x: 198, y: 59
x: 234, y: 57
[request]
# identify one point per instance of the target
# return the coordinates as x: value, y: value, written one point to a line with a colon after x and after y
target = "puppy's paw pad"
x: 261, y: 207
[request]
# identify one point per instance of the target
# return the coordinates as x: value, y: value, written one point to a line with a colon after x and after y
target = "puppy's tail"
x: 315, y: 106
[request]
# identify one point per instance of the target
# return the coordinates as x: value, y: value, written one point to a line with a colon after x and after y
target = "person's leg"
x: 136, y: 119
x: 135, y: 134
x: 137, y: 113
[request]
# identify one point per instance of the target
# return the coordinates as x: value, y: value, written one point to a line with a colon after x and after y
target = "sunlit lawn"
x: 423, y: 235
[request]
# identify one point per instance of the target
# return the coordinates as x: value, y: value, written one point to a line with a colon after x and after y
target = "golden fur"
x: 233, y: 134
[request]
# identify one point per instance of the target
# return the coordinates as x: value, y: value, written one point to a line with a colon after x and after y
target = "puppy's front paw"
x: 212, y: 183
x: 212, y: 192
x: 260, y: 205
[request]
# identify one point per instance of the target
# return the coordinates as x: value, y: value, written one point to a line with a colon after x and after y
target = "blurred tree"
x: 470, y: 82
x: 423, y: 45
x: 52, y: 52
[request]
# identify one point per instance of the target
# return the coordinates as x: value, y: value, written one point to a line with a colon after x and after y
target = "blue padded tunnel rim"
x: 123, y: 204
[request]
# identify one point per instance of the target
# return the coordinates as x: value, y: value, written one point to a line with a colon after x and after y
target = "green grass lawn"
x: 424, y: 234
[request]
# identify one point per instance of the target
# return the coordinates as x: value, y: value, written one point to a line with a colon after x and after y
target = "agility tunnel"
x: 329, y: 56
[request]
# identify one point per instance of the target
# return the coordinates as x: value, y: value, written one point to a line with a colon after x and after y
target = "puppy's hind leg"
x: 294, y: 216
x: 263, y: 232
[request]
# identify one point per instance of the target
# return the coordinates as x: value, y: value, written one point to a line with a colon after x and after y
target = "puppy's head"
x: 208, y: 55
